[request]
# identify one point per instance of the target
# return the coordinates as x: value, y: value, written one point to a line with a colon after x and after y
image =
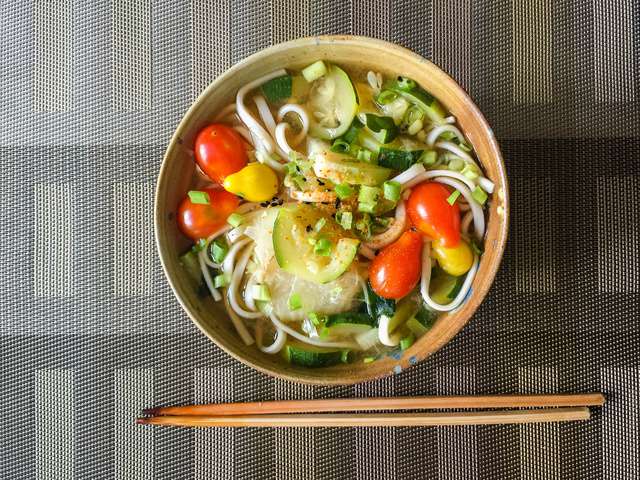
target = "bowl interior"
x: 353, y: 52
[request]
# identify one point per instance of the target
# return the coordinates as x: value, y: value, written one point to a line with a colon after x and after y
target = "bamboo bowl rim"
x: 498, y: 222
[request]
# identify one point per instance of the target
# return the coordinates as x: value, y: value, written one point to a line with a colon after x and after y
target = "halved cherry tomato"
x: 396, y: 269
x: 220, y: 151
x: 198, y: 221
x: 430, y: 212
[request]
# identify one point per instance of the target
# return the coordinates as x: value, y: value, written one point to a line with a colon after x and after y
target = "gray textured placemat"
x: 90, y: 93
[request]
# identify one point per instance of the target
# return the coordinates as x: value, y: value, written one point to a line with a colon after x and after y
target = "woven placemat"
x: 90, y: 332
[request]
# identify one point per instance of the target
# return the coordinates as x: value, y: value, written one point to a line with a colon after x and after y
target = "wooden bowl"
x: 359, y: 52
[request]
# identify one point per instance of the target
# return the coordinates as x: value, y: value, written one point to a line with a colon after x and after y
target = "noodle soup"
x: 336, y: 214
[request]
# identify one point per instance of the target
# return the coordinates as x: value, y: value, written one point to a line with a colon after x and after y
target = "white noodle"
x: 244, y: 114
x: 476, y: 209
x: 205, y: 257
x: 439, y: 173
x: 238, y: 323
x: 426, y: 279
x: 278, y: 342
x: 439, y: 130
x: 365, y: 251
x: 450, y: 119
x: 486, y: 184
x: 246, y: 134
x: 225, y: 112
x: 311, y: 341
x: 466, y: 222
x: 409, y: 174
x: 384, y: 335
x: 249, y: 301
x: 281, y: 138
x: 391, y: 234
x: 229, y: 260
x: 207, y: 279
x: 264, y: 157
x: 265, y: 113
x: 236, y: 278
x: 304, y: 119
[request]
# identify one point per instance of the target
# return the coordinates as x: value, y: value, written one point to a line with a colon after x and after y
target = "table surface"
x: 90, y: 332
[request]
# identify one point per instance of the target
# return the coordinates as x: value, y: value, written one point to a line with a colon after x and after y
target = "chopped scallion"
x: 261, y: 293
x: 295, y: 302
x: 368, y: 194
x: 319, y: 224
x: 314, y: 71
x: 386, y: 96
x: 343, y: 191
x: 322, y: 247
x: 340, y: 146
x: 428, y: 157
x: 219, y: 250
x: 453, y: 197
x: 235, y: 219
x: 198, y: 197
x: 407, y: 341
x: 345, y: 219
x: 456, y: 164
x: 369, y: 359
x: 365, y: 155
x: 470, y: 171
x: 366, y: 207
x: 391, y: 190
x: 479, y: 195
x: 406, y: 84
x: 344, y: 357
x: 221, y: 280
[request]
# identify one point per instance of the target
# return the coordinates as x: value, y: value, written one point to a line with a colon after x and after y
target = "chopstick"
x: 377, y: 404
x: 377, y: 419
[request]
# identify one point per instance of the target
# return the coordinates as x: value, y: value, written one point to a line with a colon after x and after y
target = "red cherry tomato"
x: 220, y: 151
x: 198, y: 221
x: 430, y: 212
x: 397, y: 268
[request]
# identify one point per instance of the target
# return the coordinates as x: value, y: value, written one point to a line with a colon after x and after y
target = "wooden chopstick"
x: 376, y: 419
x: 377, y: 404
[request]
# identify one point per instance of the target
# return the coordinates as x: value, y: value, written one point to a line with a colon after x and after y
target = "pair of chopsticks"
x: 325, y: 413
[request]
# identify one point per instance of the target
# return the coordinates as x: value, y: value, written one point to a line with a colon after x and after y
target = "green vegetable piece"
x: 219, y: 250
x: 406, y: 84
x: 345, y: 219
x: 416, y: 327
x: 343, y: 191
x: 453, y: 197
x: 191, y: 264
x: 369, y: 359
x: 235, y: 219
x: 340, y: 146
x: 365, y: 155
x: 398, y: 159
x: 295, y: 302
x: 198, y: 197
x: 407, y: 341
x: 316, y: 319
x: 426, y: 317
x: 319, y: 224
x: 351, y: 134
x: 221, y: 280
x: 311, y: 356
x: 386, y: 96
x: 428, y: 157
x: 384, y: 128
x: 369, y: 194
x: 479, y: 195
x: 278, y: 88
x: 378, y: 306
x: 456, y: 164
x: 392, y: 190
x: 261, y: 293
x: 314, y: 71
x: 323, y: 247
x: 344, y: 357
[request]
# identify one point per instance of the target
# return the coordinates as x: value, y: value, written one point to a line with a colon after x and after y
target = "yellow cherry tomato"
x: 255, y: 182
x: 456, y: 260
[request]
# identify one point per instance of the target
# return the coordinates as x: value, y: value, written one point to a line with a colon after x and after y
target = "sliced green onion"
x: 470, y: 171
x: 340, y: 146
x: 235, y: 219
x: 453, y: 197
x: 314, y: 71
x: 369, y: 359
x: 456, y: 164
x: 368, y: 194
x: 322, y: 247
x: 222, y: 280
x: 386, y: 96
x: 413, y: 114
x: 415, y: 127
x: 428, y: 157
x: 345, y: 219
x: 392, y: 190
x: 343, y: 191
x: 448, y: 135
x: 316, y: 318
x: 407, y: 341
x: 383, y: 128
x: 479, y: 195
x: 295, y: 302
x: 367, y: 207
x: 406, y: 84
x: 319, y: 224
x: 198, y: 197
x: 364, y: 225
x: 261, y: 293
x: 199, y: 245
x: 344, y: 357
x: 351, y: 134
x: 364, y: 155
x: 219, y: 250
